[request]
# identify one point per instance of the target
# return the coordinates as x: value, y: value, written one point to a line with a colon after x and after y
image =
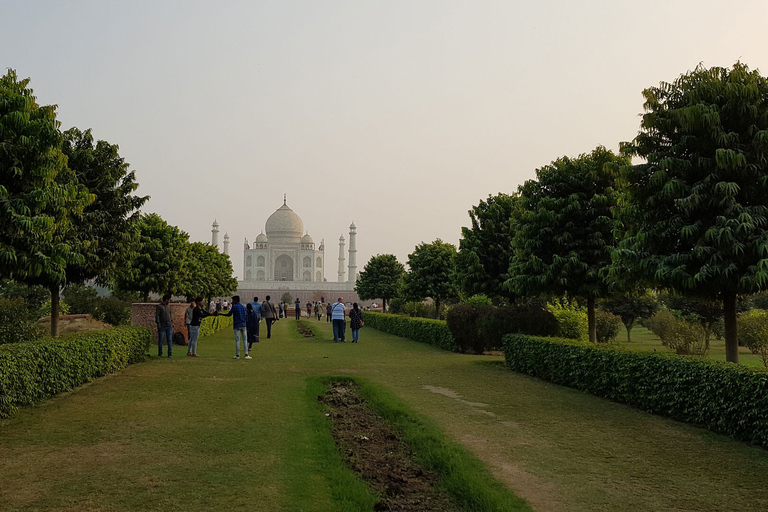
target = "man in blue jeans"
x: 164, y: 322
x: 338, y: 317
x: 239, y: 314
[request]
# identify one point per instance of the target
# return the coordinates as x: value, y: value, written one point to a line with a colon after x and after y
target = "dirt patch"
x: 75, y: 323
x: 304, y: 329
x: 372, y: 449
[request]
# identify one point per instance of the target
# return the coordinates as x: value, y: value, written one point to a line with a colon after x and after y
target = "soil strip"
x: 372, y: 449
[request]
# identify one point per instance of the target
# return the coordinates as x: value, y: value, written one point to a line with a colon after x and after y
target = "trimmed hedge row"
x: 425, y: 330
x: 212, y: 324
x: 35, y: 370
x: 723, y: 397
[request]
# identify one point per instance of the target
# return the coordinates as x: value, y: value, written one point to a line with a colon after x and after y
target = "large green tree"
x: 564, y: 233
x: 485, y: 248
x: 39, y: 194
x: 160, y: 254
x: 432, y: 272
x: 696, y: 214
x: 109, y: 224
x: 631, y: 306
x: 380, y: 279
x: 207, y: 272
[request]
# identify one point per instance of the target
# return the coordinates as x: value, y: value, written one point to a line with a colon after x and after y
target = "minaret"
x: 341, y: 259
x: 352, y: 276
x: 226, y: 243
x: 215, y: 234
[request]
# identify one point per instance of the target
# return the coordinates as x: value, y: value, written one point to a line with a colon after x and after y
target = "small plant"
x: 607, y: 325
x: 479, y: 300
x: 686, y: 338
x: 571, y: 320
x: 753, y: 332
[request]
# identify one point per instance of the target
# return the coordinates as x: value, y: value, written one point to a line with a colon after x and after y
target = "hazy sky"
x: 397, y: 115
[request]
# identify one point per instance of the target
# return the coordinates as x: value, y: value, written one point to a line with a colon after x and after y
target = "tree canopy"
x: 207, y: 272
x: 564, y: 233
x: 696, y: 212
x: 432, y: 272
x: 381, y: 278
x: 485, y: 248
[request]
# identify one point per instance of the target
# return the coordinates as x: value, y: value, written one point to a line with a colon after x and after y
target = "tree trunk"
x: 591, y: 319
x: 383, y: 305
x: 54, y: 310
x: 731, y: 330
x: 629, y: 325
x: 146, y: 296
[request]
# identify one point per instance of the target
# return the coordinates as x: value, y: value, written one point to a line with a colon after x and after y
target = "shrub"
x: 18, y: 323
x: 607, y: 325
x: 571, y: 320
x: 212, y: 324
x: 753, y: 332
x: 686, y: 338
x: 726, y: 398
x: 479, y: 300
x: 465, y: 321
x: 397, y: 305
x: 425, y: 330
x: 516, y: 319
x: 82, y: 300
x: 661, y: 323
x: 33, y: 371
x: 115, y: 311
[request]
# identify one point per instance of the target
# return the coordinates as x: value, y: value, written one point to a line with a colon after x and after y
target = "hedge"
x: 212, y: 324
x: 723, y: 397
x: 35, y: 370
x: 425, y: 330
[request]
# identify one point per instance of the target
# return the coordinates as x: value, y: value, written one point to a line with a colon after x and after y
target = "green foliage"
x: 206, y: 272
x: 397, y: 305
x: 18, y: 323
x: 608, y: 326
x: 479, y: 300
x: 108, y: 225
x: 160, y: 255
x: 212, y: 324
x: 84, y: 299
x: 753, y: 332
x: 286, y: 297
x: 631, y: 307
x: 723, y: 397
x: 571, y: 320
x: 432, y: 272
x: 33, y: 371
x: 34, y: 296
x: 485, y: 248
x: 424, y: 330
x: 381, y: 278
x: 678, y: 333
x: 696, y: 210
x: 464, y: 322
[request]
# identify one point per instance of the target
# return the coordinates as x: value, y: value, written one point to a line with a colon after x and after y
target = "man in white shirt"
x: 338, y: 317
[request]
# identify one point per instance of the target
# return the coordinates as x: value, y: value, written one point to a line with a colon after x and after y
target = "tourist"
x: 328, y: 312
x: 318, y: 310
x: 339, y: 316
x: 212, y: 308
x: 239, y: 314
x: 355, y: 321
x: 252, y: 325
x: 256, y: 308
x: 297, y: 307
x: 188, y: 313
x: 164, y: 321
x: 218, y: 305
x: 282, y: 310
x: 270, y: 315
x: 198, y: 313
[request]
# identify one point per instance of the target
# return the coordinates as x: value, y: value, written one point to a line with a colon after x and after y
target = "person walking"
x: 297, y: 307
x: 251, y: 324
x: 239, y: 315
x: 269, y: 313
x: 318, y: 310
x: 328, y: 312
x: 164, y: 322
x: 339, y: 315
x: 198, y: 313
x: 355, y: 321
x: 309, y: 310
x: 257, y: 309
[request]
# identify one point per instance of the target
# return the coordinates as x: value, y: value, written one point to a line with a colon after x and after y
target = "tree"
x: 39, y: 194
x: 207, y: 272
x: 380, y: 279
x: 485, y: 249
x: 109, y: 223
x: 564, y: 234
x: 160, y: 254
x: 432, y: 272
x: 630, y: 307
x: 696, y: 213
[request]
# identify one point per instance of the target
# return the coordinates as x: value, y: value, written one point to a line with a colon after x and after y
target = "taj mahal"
x: 283, y: 257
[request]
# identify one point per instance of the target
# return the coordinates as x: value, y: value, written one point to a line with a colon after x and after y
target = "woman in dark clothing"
x: 355, y: 321
x: 194, y: 326
x: 251, y: 324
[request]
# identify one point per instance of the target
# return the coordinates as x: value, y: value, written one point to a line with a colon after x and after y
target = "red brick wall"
x: 144, y: 314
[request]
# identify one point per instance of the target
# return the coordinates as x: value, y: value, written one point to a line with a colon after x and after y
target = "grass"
x: 644, y: 340
x: 215, y: 433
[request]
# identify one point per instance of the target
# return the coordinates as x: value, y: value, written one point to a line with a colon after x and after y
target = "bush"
x: 397, y: 305
x: 33, y: 371
x: 465, y: 322
x: 726, y: 398
x: 661, y: 323
x: 18, y: 323
x: 479, y: 300
x: 607, y: 325
x: 212, y: 324
x: 686, y: 338
x: 572, y: 320
x: 433, y: 332
x: 516, y: 319
x: 115, y: 311
x: 753, y: 332
x: 84, y: 299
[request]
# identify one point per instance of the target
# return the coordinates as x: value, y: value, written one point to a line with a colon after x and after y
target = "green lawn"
x: 218, y: 434
x: 644, y: 340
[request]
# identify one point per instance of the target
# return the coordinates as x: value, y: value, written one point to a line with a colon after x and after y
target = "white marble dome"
x: 261, y: 239
x: 306, y: 239
x: 284, y: 226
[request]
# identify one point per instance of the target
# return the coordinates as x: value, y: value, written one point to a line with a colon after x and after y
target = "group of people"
x: 247, y: 319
